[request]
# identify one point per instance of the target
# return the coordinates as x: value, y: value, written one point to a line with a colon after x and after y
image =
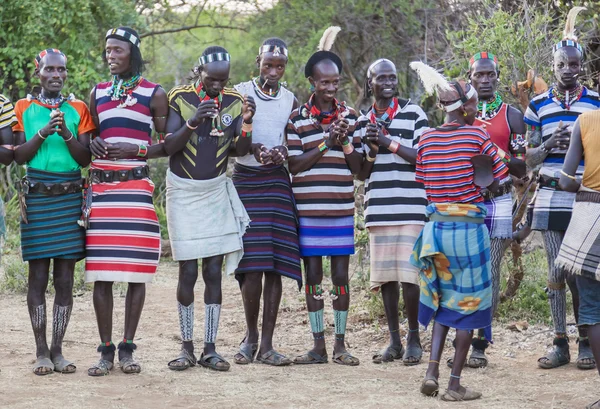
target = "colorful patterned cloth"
x: 271, y: 241
x: 326, y: 236
x: 390, y: 249
x: 499, y: 217
x: 51, y: 230
x: 454, y: 258
x: 123, y: 239
x: 580, y: 250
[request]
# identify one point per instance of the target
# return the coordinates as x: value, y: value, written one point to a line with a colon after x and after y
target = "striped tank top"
x: 132, y: 124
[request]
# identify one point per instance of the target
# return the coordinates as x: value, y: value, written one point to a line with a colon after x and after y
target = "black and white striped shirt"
x: 392, y: 196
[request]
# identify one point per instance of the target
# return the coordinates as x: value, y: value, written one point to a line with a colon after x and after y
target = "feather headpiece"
x: 569, y: 32
x: 328, y: 38
x: 324, y: 53
x: 432, y: 80
x: 452, y: 95
x: 569, y: 37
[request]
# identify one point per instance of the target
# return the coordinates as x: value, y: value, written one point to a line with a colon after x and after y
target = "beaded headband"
x: 125, y: 35
x: 205, y: 59
x: 567, y: 43
x: 45, y: 52
x: 376, y: 63
x: 275, y: 49
x: 463, y: 98
x: 483, y: 55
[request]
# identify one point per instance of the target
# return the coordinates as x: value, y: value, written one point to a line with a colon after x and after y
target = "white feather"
x: 569, y: 32
x: 430, y: 78
x: 328, y: 38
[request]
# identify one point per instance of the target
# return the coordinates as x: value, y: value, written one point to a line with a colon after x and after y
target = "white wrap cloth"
x: 205, y: 218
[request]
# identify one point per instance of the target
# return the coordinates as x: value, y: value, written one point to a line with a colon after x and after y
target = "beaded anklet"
x: 127, y: 345
x: 106, y: 348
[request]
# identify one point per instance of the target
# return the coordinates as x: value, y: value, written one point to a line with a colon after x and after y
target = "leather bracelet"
x: 187, y: 123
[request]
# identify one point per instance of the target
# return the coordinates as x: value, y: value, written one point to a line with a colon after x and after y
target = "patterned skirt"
x: 390, y: 248
x: 580, y: 249
x: 499, y: 217
x: 454, y: 258
x: 52, y: 230
x: 326, y: 236
x: 552, y: 209
x: 123, y: 238
x: 271, y: 240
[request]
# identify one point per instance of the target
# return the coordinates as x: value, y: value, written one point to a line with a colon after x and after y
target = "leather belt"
x: 51, y: 189
x: 123, y: 175
x: 593, y: 197
x: 502, y: 190
x: 549, y: 182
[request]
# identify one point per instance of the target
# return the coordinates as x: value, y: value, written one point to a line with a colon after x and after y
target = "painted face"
x: 567, y: 66
x: 384, y: 80
x: 484, y: 78
x: 326, y: 80
x: 271, y: 68
x: 118, y: 56
x: 214, y: 77
x: 52, y: 72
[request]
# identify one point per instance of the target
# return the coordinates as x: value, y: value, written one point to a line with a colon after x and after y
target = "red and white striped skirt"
x: 123, y: 238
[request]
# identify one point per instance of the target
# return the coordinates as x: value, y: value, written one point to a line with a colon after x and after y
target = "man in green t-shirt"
x: 52, y: 139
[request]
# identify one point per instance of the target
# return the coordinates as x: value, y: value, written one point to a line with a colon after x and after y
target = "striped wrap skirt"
x: 123, y: 237
x: 390, y: 250
x: 52, y: 230
x: 271, y: 240
x: 326, y: 236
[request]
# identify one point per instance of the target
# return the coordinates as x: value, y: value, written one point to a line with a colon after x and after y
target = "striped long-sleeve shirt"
x: 444, y: 163
x: 392, y: 195
x: 327, y: 188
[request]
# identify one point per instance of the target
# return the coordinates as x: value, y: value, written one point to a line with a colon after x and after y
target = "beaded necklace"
x: 386, y: 118
x: 267, y: 93
x: 51, y: 102
x: 318, y: 117
x: 566, y: 99
x: 123, y: 89
x: 489, y: 109
x: 217, y: 129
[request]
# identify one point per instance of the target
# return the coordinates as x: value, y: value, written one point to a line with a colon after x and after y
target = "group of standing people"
x: 438, y: 205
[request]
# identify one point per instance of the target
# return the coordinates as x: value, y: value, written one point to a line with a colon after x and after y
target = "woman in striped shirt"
x: 394, y: 204
x: 453, y: 251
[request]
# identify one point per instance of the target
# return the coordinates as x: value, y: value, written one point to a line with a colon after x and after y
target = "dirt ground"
x: 512, y: 379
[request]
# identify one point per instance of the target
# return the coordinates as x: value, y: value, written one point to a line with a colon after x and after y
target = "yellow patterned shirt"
x: 204, y: 156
